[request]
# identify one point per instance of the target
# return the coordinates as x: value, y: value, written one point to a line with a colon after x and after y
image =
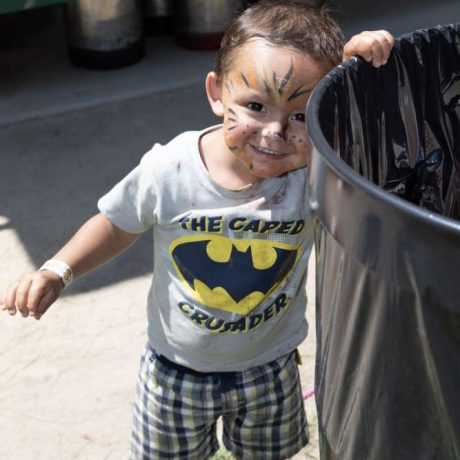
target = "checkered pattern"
x: 176, y: 411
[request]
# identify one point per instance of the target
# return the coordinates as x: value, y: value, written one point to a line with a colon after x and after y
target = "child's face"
x: 263, y: 100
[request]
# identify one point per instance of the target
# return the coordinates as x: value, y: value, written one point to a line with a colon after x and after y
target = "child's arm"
x: 375, y: 47
x: 97, y: 241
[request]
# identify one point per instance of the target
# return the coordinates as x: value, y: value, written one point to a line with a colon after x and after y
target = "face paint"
x: 264, y: 97
x: 276, y: 92
x: 246, y: 82
x: 297, y: 93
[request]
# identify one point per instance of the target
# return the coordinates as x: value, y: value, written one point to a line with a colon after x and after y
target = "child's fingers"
x: 367, y: 46
x: 9, y: 299
x: 43, y: 293
x: 356, y: 46
x: 386, y: 37
x: 374, y: 46
x: 37, y: 290
x: 45, y: 302
x: 44, y: 290
x: 385, y: 44
x: 376, y: 53
x: 32, y: 294
x: 22, y: 295
x: 3, y: 301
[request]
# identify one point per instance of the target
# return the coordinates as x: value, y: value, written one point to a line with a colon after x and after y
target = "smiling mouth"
x: 270, y: 152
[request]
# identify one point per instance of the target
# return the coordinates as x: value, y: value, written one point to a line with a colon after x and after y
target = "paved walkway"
x: 67, y: 134
x: 67, y: 382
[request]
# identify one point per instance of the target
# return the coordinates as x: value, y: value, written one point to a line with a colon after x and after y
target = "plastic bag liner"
x: 384, y: 186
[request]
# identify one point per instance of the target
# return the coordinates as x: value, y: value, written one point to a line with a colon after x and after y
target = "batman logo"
x: 232, y: 275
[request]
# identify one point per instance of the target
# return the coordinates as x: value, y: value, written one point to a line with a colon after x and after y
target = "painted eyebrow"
x: 268, y: 90
x: 285, y: 80
x: 280, y: 88
x: 298, y: 92
x: 245, y: 79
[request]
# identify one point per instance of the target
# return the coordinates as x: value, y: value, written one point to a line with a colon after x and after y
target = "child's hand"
x: 375, y: 47
x: 33, y: 294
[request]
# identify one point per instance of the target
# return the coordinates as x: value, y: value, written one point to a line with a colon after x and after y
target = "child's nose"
x: 276, y: 129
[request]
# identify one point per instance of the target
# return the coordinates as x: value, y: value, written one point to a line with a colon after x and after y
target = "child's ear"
x: 214, y: 93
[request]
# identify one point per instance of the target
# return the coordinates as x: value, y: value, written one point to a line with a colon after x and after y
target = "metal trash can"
x: 200, y: 24
x: 384, y: 185
x: 158, y: 17
x: 104, y: 34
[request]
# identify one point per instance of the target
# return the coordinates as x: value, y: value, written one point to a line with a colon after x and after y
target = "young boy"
x: 232, y: 237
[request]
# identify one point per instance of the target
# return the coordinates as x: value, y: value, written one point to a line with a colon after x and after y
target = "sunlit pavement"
x: 66, y: 135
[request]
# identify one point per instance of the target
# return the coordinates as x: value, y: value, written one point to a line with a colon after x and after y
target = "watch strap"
x: 61, y: 269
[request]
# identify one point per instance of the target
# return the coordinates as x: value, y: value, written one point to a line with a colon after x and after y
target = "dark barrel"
x: 384, y: 185
x: 104, y: 34
x: 158, y: 17
x: 200, y: 24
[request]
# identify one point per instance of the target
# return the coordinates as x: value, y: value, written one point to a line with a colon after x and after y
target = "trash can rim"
x: 348, y: 173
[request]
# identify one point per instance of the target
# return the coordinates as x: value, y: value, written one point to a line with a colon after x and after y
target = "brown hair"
x: 285, y: 23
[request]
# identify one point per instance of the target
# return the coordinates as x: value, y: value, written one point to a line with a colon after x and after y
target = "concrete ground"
x: 66, y: 135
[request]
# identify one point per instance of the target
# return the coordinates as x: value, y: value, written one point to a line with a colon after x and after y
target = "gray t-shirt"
x: 228, y: 291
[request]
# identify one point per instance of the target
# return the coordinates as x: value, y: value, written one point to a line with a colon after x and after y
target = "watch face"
x: 67, y: 277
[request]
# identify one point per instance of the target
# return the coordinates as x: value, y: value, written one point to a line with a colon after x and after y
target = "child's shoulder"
x: 183, y: 146
x: 177, y: 147
x: 178, y: 143
x: 163, y: 160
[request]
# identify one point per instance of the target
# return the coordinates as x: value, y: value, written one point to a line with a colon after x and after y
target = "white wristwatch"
x: 61, y: 269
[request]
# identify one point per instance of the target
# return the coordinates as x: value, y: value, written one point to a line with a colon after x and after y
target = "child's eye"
x: 255, y: 107
x: 299, y: 117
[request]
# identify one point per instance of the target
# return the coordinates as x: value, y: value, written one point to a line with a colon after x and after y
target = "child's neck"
x: 222, y: 165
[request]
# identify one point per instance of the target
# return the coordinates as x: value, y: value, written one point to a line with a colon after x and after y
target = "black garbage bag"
x: 384, y: 184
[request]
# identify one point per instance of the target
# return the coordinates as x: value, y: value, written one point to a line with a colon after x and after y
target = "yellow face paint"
x: 264, y: 97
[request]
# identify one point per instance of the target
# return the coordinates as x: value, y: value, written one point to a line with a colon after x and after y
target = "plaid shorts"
x: 177, y: 409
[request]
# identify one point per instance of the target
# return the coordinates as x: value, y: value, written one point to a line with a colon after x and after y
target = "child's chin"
x: 269, y: 174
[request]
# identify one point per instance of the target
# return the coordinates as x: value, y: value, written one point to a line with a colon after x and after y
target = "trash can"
x: 158, y: 17
x: 104, y: 34
x: 384, y: 187
x: 200, y: 24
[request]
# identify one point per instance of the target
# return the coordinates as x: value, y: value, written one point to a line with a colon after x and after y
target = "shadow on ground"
x: 54, y: 167
x: 54, y: 170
